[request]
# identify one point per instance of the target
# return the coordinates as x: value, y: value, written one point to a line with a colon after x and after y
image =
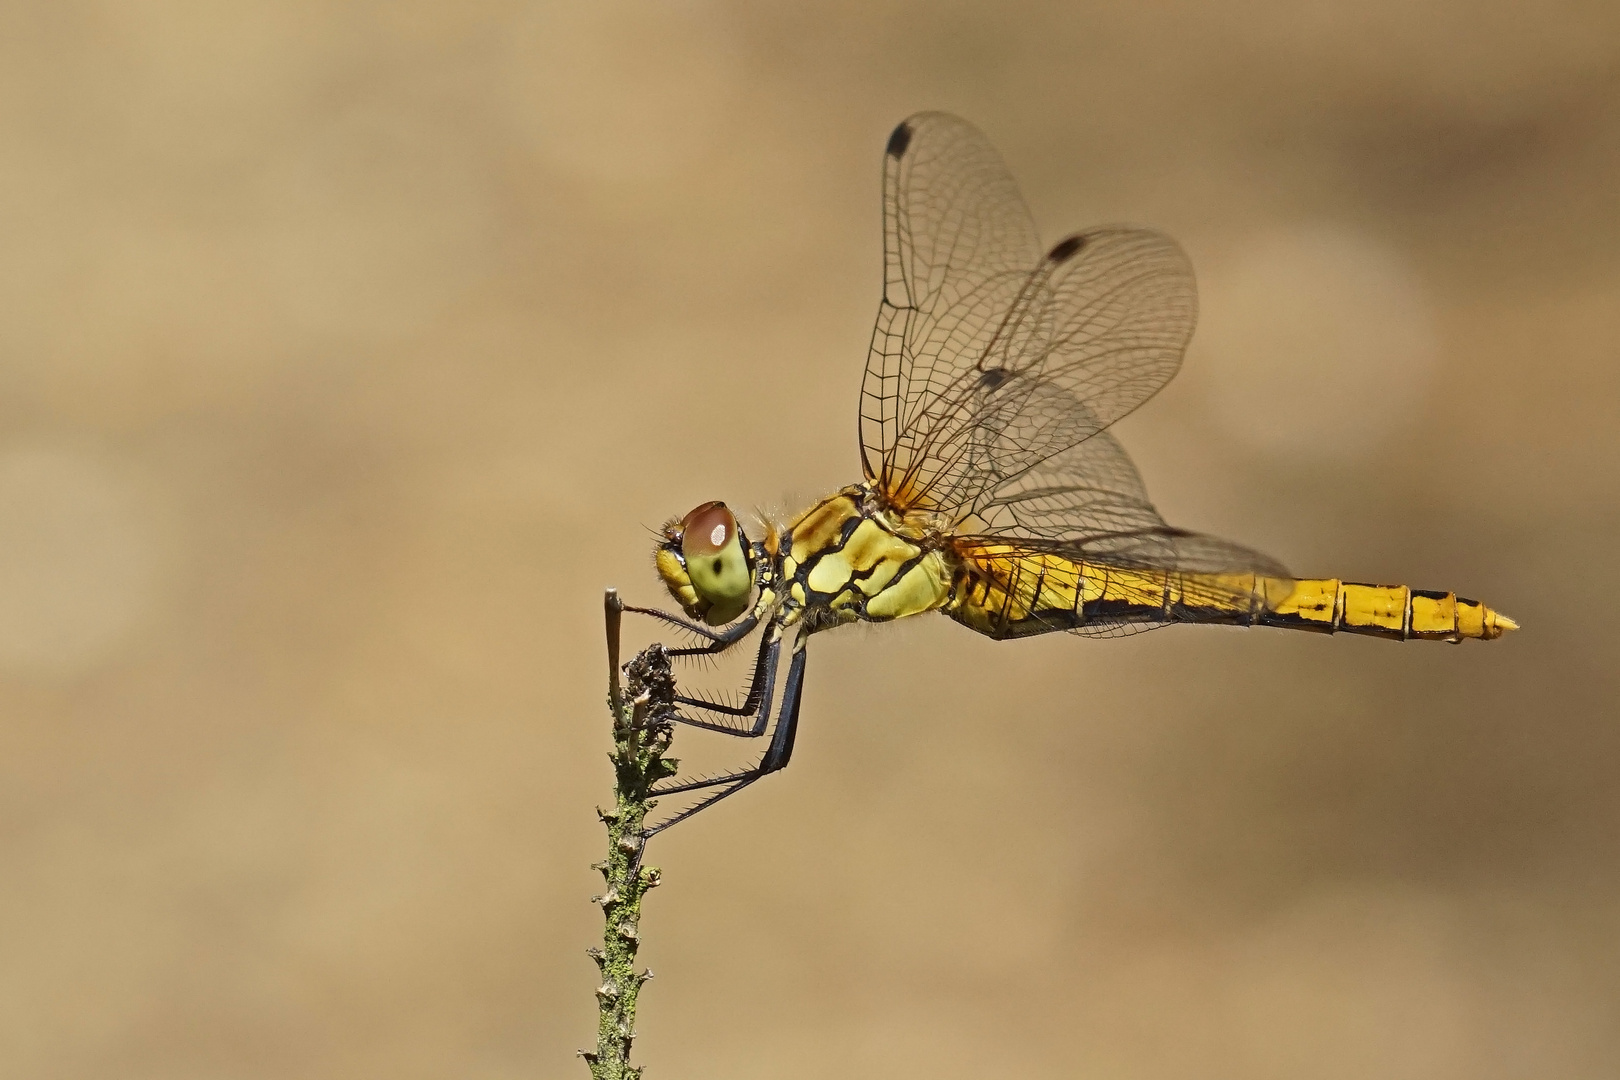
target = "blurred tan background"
x: 349, y: 350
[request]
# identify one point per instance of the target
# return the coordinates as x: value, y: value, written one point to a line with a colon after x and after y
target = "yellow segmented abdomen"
x: 1328, y: 605
x: 1005, y: 593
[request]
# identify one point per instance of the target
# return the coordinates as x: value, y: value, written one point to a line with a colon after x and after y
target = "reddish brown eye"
x: 708, y: 530
x: 714, y: 563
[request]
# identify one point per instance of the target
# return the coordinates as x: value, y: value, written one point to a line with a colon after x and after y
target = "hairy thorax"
x: 846, y: 559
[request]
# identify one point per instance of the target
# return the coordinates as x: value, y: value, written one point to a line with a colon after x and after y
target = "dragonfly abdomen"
x: 1005, y: 594
x: 1399, y: 612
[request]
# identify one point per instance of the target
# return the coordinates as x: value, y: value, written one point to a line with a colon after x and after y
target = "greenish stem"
x: 642, y: 732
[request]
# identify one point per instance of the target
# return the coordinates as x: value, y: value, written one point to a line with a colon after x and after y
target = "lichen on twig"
x: 642, y: 731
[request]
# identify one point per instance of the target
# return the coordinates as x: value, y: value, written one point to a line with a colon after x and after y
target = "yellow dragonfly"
x: 992, y: 488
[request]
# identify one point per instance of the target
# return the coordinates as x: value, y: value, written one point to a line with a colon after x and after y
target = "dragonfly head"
x: 707, y: 564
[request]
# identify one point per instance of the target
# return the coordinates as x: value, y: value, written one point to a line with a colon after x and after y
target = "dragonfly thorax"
x: 845, y: 560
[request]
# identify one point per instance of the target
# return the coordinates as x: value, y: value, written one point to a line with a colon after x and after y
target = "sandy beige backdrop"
x: 348, y: 350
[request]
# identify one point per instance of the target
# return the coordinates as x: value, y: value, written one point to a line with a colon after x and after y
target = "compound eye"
x: 707, y: 530
x: 717, y: 561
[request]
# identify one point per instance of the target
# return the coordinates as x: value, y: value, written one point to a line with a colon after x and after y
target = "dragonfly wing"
x: 1205, y: 573
x: 1099, y: 327
x: 983, y: 347
x: 1089, y: 502
x: 993, y: 375
x: 1074, y: 544
x: 1179, y: 551
x: 958, y: 247
x: 1082, y: 495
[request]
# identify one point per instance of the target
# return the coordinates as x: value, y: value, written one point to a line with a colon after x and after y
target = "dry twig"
x: 642, y: 732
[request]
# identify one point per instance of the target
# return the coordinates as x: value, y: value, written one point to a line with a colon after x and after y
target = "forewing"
x: 958, y: 247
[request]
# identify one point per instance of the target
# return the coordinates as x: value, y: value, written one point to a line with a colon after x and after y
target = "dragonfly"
x: 992, y: 488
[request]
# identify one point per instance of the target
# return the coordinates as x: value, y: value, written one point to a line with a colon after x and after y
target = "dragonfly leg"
x: 718, y: 641
x: 776, y: 756
x: 764, y: 676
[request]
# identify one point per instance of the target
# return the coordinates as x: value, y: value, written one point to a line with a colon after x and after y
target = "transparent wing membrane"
x: 994, y: 373
x: 1089, y: 503
x: 958, y: 246
x: 989, y: 357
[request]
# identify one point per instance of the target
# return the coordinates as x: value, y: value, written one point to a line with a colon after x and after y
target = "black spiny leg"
x: 776, y: 756
x: 718, y: 641
x: 759, y: 685
x: 764, y: 669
